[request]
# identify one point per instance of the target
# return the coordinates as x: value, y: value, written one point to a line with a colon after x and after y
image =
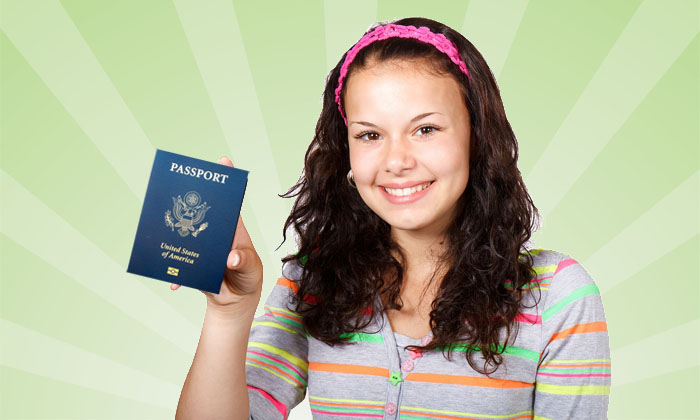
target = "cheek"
x: 441, y: 161
x: 364, y: 169
x: 452, y: 158
x: 451, y: 168
x: 361, y: 174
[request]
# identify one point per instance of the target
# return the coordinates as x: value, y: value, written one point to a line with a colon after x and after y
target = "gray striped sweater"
x: 558, y: 366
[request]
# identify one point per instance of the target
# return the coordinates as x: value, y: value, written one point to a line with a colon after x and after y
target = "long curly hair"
x: 349, y: 259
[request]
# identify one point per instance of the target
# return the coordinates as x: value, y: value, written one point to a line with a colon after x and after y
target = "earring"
x: 351, y: 181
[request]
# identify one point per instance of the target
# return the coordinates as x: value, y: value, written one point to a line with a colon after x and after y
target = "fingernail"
x: 235, y: 260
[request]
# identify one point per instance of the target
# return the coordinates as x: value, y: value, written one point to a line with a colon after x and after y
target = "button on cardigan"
x: 558, y: 366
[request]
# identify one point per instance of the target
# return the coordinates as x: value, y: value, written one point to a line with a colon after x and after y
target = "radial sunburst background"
x: 603, y: 96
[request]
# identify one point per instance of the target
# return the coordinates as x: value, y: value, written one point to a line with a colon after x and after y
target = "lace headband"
x: 398, y: 31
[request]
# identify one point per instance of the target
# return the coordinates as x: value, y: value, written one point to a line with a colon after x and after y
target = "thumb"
x: 244, y: 266
x: 224, y: 160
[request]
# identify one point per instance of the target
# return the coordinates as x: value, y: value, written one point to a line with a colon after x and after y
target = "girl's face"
x: 408, y: 134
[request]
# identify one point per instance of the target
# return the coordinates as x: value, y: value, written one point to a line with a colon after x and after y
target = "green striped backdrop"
x: 603, y: 96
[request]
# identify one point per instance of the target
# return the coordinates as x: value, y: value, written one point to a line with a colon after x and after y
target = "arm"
x: 245, y: 372
x: 216, y: 381
x: 573, y: 377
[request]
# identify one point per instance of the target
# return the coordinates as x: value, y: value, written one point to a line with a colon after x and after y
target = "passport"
x: 188, y: 221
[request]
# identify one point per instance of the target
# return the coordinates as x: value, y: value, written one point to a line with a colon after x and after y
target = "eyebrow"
x: 414, y: 119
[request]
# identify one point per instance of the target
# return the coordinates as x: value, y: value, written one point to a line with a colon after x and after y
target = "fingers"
x: 224, y: 160
x: 234, y: 260
x: 174, y: 286
x: 243, y: 261
x: 243, y: 271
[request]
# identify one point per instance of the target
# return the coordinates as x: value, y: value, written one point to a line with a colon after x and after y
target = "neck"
x: 420, y: 281
x: 422, y: 251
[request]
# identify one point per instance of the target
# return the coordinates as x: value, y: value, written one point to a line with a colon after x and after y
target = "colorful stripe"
x: 364, y: 337
x: 278, y: 405
x: 587, y: 290
x: 283, y: 315
x: 345, y: 400
x: 349, y: 369
x: 539, y: 282
x: 353, y: 414
x: 410, y: 412
x: 282, y: 319
x: 412, y: 415
x: 578, y: 361
x: 274, y: 325
x: 540, y: 270
x: 544, y: 269
x: 291, y: 315
x: 262, y: 366
x: 292, y: 285
x: 441, y: 378
x: 529, y: 318
x: 565, y: 263
x: 358, y: 337
x: 580, y: 329
x: 370, y: 408
x: 576, y: 370
x: 573, y: 389
x: 346, y: 407
x: 574, y: 375
x: 290, y: 370
x: 298, y: 362
x: 512, y: 350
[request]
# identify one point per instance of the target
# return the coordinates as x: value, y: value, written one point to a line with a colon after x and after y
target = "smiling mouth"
x: 407, y: 191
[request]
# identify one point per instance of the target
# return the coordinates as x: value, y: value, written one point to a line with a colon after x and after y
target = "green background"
x: 603, y: 96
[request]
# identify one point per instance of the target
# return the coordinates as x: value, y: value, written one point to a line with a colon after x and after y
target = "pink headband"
x: 390, y: 31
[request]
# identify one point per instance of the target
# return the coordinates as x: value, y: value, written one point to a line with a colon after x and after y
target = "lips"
x: 406, y: 199
x: 407, y: 191
x: 407, y: 184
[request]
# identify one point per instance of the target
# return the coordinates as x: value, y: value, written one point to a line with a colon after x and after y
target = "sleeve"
x: 276, y: 360
x: 573, y: 375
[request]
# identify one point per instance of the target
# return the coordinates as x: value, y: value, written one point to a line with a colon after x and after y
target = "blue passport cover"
x: 188, y: 221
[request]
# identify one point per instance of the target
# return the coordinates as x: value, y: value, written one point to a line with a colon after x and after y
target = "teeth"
x: 407, y: 191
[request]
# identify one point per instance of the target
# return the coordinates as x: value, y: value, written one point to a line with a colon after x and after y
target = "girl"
x: 413, y: 294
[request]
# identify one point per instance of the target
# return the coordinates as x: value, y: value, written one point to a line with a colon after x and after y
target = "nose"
x: 399, y: 156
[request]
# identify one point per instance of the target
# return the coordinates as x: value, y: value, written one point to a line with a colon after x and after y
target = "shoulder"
x: 563, y: 271
x: 544, y: 260
x: 567, y: 286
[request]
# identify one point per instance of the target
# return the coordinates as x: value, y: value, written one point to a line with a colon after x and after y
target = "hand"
x: 244, y: 270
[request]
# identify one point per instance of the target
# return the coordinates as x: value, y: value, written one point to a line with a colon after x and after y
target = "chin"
x: 403, y: 224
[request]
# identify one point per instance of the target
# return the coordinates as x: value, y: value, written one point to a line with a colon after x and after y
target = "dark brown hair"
x: 346, y: 250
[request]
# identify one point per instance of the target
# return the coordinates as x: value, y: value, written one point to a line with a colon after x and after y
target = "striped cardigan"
x: 558, y: 366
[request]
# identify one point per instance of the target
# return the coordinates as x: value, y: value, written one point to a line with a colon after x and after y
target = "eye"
x: 425, y: 133
x: 362, y: 135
